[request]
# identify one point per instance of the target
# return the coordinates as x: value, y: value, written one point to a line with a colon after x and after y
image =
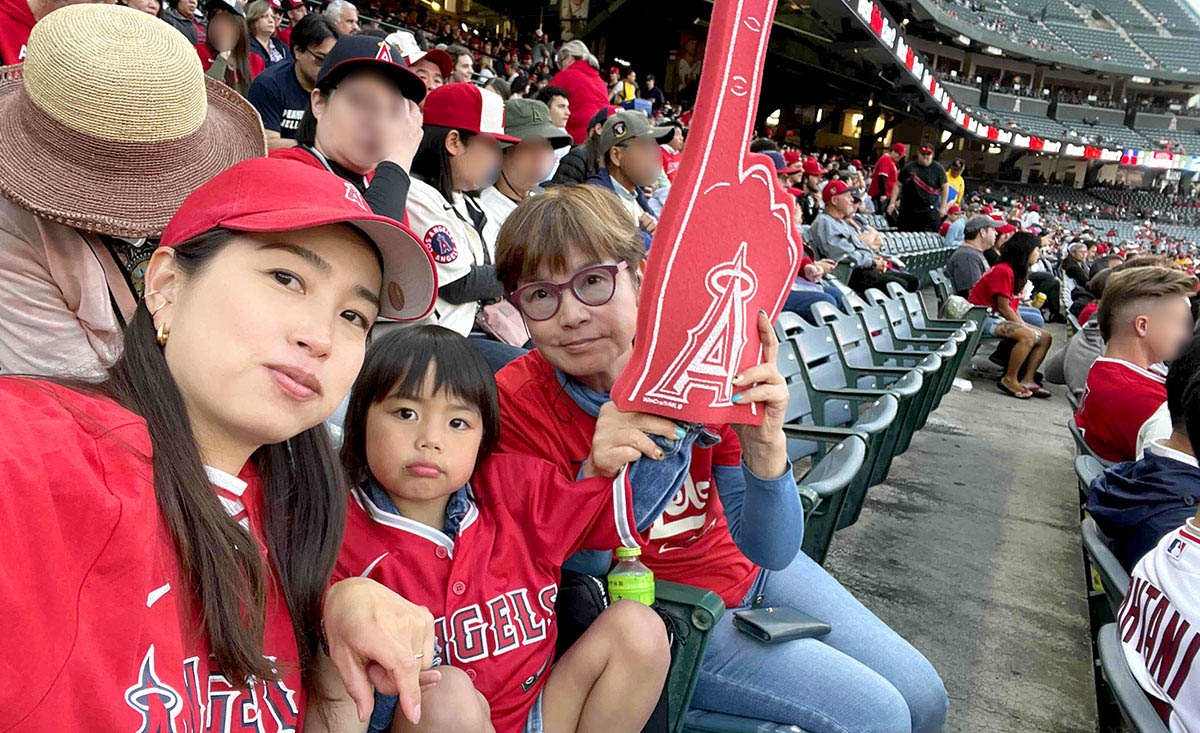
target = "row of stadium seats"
x: 920, y: 251
x: 860, y: 385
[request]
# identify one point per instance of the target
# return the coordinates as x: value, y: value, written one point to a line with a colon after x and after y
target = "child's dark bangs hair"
x: 397, y: 364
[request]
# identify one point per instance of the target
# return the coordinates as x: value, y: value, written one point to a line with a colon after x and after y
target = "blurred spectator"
x: 1032, y: 217
x: 72, y: 257
x: 525, y: 164
x: 1074, y: 268
x: 999, y: 290
x: 519, y: 87
x: 463, y: 69
x: 294, y: 11
x: 558, y: 101
x: 498, y: 86
x: 627, y: 88
x: 344, y: 16
x: 883, y: 177
x: 367, y: 133
x: 967, y: 263
x: 262, y: 24
x: 811, y: 181
x: 1145, y: 318
x: 672, y: 151
x: 952, y: 227
x: 584, y: 161
x: 956, y: 187
x: 225, y: 52
x: 1136, y: 503
x: 181, y: 14
x: 542, y: 51
x: 654, y: 94
x: 629, y: 151
x: 580, y: 76
x: 920, y: 196
x: 834, y: 238
x: 281, y: 93
x: 433, y: 66
x: 459, y: 152
x: 149, y: 7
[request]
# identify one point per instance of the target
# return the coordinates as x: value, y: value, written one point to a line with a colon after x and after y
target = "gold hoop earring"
x: 162, y: 333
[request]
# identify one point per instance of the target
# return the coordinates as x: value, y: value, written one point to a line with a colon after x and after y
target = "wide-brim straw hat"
x: 110, y: 122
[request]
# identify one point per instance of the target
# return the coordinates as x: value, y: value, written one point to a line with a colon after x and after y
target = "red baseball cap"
x: 899, y: 148
x: 795, y: 191
x: 791, y: 156
x: 306, y: 196
x: 1005, y: 229
x: 925, y: 149
x: 953, y: 209
x: 435, y: 56
x: 856, y: 163
x: 812, y: 167
x: 465, y: 106
x: 987, y: 209
x: 834, y: 188
x: 1033, y: 207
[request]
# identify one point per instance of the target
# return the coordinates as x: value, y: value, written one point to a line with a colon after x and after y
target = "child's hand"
x: 624, y: 437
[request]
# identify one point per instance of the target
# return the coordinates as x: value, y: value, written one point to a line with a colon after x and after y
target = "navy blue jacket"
x: 605, y: 180
x: 1136, y: 503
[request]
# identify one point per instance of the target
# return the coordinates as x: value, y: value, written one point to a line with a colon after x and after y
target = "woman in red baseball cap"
x: 363, y: 123
x: 460, y: 152
x: 176, y: 523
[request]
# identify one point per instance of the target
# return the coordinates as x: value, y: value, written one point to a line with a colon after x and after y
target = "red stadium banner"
x: 909, y: 58
x: 1091, y: 152
x: 725, y: 247
x: 876, y: 19
x: 1036, y: 143
x: 992, y: 133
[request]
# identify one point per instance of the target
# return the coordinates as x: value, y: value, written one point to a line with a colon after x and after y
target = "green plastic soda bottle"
x: 630, y: 578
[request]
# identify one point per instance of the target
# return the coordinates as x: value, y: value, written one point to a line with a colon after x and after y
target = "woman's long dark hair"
x: 397, y: 363
x: 304, y: 505
x: 240, y: 55
x: 432, y: 162
x: 1015, y: 254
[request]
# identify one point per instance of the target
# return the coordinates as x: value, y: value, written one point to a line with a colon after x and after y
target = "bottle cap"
x: 626, y: 552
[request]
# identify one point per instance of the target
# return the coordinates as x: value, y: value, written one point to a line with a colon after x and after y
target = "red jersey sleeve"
x: 559, y: 517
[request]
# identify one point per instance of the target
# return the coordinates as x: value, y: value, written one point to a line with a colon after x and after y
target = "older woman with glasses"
x: 572, y: 262
x: 363, y: 123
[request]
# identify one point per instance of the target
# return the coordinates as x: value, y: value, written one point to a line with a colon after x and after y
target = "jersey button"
x: 441, y: 552
x: 459, y: 588
x: 471, y: 674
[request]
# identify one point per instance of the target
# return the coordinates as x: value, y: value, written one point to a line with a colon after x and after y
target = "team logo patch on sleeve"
x: 441, y: 244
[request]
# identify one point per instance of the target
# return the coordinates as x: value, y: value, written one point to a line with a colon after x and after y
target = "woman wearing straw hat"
x: 362, y: 122
x: 225, y: 51
x: 82, y: 188
x: 176, y: 523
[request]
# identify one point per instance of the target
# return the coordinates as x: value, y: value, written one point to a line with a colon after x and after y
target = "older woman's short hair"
x: 546, y: 229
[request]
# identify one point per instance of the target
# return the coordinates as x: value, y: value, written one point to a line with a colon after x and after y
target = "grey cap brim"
x: 556, y: 136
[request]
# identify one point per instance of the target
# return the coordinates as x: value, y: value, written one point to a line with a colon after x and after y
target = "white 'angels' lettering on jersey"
x: 511, y: 623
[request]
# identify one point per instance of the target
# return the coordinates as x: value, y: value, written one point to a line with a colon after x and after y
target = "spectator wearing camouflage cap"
x: 525, y: 165
x: 630, y: 155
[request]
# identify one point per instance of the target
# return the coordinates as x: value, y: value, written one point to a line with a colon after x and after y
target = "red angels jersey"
x: 492, y: 589
x: 101, y: 632
x: 16, y: 22
x: 1160, y: 626
x: 690, y: 542
x: 1118, y: 398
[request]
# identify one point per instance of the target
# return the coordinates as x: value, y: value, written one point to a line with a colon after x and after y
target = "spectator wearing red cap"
x: 363, y: 123
x: 294, y: 11
x: 1032, y: 217
x: 920, y: 193
x: 953, y: 215
x: 174, y: 481
x: 833, y: 237
x: 460, y: 152
x: 883, y: 177
x: 588, y: 94
x: 811, y: 182
x: 281, y: 93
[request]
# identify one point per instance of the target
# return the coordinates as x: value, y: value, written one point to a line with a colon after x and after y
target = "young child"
x: 478, y: 539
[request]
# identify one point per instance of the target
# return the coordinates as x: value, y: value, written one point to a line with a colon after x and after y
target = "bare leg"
x: 1036, y: 356
x: 453, y: 705
x: 1024, y: 338
x: 610, y: 680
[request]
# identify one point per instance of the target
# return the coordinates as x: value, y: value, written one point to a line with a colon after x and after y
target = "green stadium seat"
x: 693, y: 612
x: 1113, y: 578
x: 1081, y: 447
x: 1135, y: 706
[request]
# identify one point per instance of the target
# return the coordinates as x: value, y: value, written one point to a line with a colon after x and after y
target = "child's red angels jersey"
x: 100, y: 630
x: 690, y: 542
x: 492, y: 589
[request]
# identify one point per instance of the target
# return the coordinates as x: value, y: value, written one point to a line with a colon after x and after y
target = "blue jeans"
x: 860, y: 678
x: 801, y: 302
x: 1031, y: 315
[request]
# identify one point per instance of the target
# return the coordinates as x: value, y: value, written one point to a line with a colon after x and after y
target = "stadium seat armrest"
x: 834, y: 471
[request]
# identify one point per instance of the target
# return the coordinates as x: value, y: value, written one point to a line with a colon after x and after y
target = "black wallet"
x: 772, y: 625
